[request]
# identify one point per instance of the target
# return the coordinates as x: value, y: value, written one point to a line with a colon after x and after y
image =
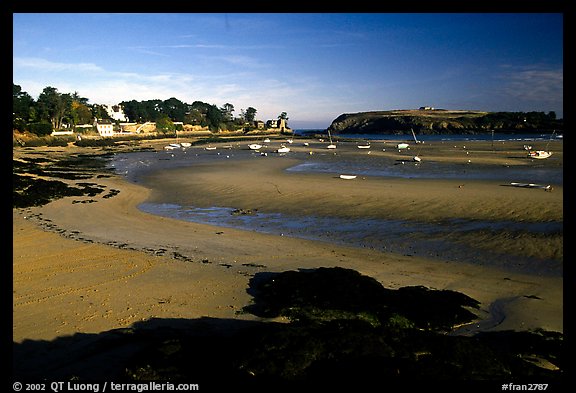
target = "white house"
x: 280, y: 124
x: 116, y: 112
x: 104, y: 127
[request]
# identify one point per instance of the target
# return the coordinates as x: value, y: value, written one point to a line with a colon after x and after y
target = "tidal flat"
x: 93, y: 269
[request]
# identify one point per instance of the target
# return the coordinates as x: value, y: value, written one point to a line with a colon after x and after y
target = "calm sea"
x: 433, y: 240
x: 497, y: 137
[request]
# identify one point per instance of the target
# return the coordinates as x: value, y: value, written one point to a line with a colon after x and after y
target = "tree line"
x: 53, y: 110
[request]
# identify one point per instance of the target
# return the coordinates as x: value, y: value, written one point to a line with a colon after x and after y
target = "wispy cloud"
x: 209, y: 46
x: 99, y: 84
x: 148, y: 51
x: 241, y: 60
x: 46, y: 65
x: 534, y: 83
x: 301, y: 97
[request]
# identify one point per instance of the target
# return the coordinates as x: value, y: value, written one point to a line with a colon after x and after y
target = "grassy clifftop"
x: 442, y: 121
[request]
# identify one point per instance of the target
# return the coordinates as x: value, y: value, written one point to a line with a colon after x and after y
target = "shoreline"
x: 53, y: 283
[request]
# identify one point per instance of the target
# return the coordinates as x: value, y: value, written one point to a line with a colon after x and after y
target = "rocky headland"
x: 442, y: 121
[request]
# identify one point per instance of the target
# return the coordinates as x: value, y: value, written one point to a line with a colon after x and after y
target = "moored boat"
x: 539, y: 154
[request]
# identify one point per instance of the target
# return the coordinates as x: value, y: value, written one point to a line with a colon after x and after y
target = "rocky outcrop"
x: 440, y: 121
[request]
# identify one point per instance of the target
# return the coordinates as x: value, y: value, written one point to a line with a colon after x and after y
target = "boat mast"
x: 414, y: 135
x: 492, y: 140
x: 549, y: 140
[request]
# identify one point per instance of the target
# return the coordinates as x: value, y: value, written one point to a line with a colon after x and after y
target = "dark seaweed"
x: 35, y: 184
x: 332, y: 349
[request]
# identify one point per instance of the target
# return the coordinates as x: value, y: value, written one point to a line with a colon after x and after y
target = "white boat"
x: 539, y: 154
x: 348, y: 177
x: 331, y: 145
x: 185, y: 144
x: 169, y: 147
x: 532, y: 185
x: 364, y: 146
x: 416, y: 158
x: 402, y: 146
x: 210, y: 148
x: 289, y: 140
x: 255, y: 146
x: 175, y: 145
x: 267, y: 140
x: 283, y: 149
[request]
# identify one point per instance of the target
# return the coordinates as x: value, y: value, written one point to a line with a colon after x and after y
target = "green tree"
x: 142, y: 111
x: 80, y: 113
x: 100, y: 112
x: 174, y: 109
x: 250, y: 114
x: 214, y: 117
x: 283, y: 115
x: 23, y: 108
x: 164, y: 124
x: 76, y: 97
x: 195, y: 117
x: 131, y: 110
x: 227, y: 110
x: 151, y: 110
x: 53, y: 106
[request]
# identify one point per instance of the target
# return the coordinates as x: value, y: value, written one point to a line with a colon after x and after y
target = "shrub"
x: 41, y: 128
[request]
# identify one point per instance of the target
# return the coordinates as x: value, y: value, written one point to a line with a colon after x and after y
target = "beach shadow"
x: 345, y: 331
x: 197, y: 350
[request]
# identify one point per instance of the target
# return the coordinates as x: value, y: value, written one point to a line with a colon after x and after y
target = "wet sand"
x: 92, y: 267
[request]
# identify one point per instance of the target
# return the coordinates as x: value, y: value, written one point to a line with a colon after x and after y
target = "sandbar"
x: 93, y: 267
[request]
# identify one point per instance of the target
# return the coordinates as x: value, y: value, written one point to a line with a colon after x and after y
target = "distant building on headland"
x: 279, y: 124
x: 426, y: 108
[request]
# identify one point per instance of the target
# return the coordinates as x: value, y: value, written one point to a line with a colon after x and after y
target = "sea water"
x: 432, y: 240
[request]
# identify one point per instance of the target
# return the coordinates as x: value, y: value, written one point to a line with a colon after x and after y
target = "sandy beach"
x: 104, y: 264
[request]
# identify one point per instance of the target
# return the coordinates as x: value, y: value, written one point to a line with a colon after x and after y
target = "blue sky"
x: 312, y: 66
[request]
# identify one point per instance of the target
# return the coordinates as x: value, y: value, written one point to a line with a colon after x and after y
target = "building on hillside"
x: 116, y: 112
x: 272, y: 124
x: 258, y: 124
x: 104, y: 127
x: 280, y: 124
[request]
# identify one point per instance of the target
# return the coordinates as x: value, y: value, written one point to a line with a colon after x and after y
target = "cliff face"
x: 441, y: 121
